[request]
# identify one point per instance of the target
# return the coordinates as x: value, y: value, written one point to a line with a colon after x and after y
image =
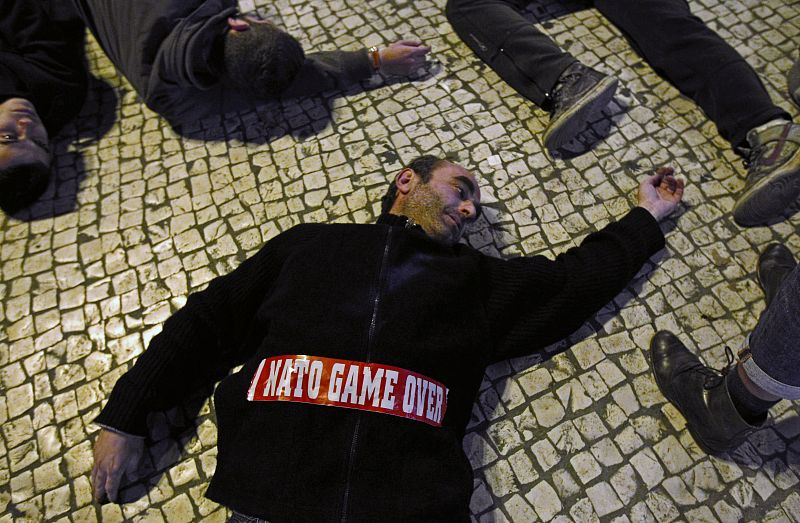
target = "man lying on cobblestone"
x: 678, y: 46
x: 197, y: 58
x: 43, y: 82
x: 389, y: 325
x: 187, y: 60
x: 722, y: 408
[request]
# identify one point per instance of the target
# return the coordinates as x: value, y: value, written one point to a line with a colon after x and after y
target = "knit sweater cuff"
x: 644, y: 225
x: 120, y: 413
x: 359, y: 63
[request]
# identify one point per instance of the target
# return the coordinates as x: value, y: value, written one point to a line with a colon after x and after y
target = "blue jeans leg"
x: 775, y: 343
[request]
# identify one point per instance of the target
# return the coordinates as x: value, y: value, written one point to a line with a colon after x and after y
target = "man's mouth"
x: 454, y: 220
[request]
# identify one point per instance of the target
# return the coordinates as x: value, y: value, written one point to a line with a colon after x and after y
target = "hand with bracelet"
x: 400, y: 58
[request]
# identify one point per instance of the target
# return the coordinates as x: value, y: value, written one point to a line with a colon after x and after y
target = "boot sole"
x: 574, y: 120
x: 694, y: 435
x: 771, y: 197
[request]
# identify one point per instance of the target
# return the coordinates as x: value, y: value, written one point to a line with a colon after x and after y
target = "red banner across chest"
x: 351, y: 384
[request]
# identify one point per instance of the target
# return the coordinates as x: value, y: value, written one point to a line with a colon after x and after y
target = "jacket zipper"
x: 372, y: 324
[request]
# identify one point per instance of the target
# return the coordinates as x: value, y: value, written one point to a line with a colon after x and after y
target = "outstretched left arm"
x: 535, y: 301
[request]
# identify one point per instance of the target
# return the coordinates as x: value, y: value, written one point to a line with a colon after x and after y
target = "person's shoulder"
x: 317, y: 226
x: 464, y: 250
x: 309, y: 230
x: 303, y: 229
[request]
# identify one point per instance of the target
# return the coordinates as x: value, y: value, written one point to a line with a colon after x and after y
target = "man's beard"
x: 425, y: 207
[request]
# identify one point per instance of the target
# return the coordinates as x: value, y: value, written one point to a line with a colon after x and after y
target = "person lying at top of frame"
x: 187, y: 60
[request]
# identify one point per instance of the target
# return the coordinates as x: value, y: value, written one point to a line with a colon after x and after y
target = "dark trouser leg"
x: 679, y: 46
x: 775, y: 343
x: 502, y: 37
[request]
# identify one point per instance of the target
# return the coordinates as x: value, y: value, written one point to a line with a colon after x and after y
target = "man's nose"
x: 22, y: 127
x: 468, y: 209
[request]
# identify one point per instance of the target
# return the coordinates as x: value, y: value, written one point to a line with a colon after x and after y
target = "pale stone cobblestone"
x: 142, y: 216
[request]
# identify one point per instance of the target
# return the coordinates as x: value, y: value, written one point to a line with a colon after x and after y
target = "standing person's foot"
x: 773, y: 174
x: 774, y: 264
x: 794, y: 82
x: 700, y: 393
x: 579, y: 96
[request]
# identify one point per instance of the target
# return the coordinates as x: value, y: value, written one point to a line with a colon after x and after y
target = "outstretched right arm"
x: 339, y: 70
x: 198, y: 345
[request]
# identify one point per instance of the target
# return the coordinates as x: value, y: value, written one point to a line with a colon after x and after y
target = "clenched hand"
x: 403, y: 58
x: 661, y: 192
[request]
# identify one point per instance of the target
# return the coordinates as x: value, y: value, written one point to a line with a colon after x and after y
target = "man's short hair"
x: 423, y: 166
x: 21, y: 185
x: 263, y: 59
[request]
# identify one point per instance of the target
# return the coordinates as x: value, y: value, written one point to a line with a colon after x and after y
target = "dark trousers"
x: 775, y: 343
x: 677, y: 45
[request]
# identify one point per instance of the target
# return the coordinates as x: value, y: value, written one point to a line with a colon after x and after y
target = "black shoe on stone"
x: 579, y: 96
x: 699, y: 393
x: 774, y: 264
x: 773, y: 175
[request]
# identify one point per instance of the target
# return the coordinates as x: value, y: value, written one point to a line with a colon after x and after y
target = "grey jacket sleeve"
x: 329, y: 70
x: 321, y: 72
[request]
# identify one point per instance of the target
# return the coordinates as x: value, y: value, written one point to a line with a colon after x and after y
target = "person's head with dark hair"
x: 437, y: 194
x: 24, y: 155
x: 21, y: 185
x: 423, y: 166
x: 260, y: 57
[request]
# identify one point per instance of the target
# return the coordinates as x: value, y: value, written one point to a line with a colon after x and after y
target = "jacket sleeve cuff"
x: 117, y: 431
x: 122, y: 413
x: 643, y: 225
x: 359, y: 63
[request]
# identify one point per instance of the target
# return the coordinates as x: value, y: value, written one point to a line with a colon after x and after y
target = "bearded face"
x: 444, y: 204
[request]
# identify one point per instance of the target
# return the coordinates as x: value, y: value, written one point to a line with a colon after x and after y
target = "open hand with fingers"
x: 114, y: 455
x: 661, y: 192
x: 403, y: 58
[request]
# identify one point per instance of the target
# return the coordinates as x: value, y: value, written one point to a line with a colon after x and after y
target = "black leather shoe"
x: 699, y: 393
x: 774, y: 264
x: 579, y: 96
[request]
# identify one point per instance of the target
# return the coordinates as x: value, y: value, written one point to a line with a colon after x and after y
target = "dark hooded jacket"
x: 171, y: 52
x: 383, y: 293
x: 41, y: 61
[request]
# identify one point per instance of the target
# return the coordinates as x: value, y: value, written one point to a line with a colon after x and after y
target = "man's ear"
x: 405, y: 180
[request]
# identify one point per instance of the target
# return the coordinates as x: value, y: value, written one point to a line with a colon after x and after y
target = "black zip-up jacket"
x: 383, y: 293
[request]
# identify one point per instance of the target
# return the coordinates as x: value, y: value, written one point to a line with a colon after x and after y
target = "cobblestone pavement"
x: 141, y: 216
